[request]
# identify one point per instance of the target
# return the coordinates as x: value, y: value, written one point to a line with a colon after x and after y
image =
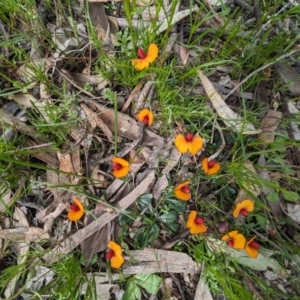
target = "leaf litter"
x: 75, y: 161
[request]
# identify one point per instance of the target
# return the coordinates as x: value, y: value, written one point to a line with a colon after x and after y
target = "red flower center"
x: 74, y: 207
x: 185, y: 189
x: 211, y: 164
x: 254, y: 245
x: 244, y: 212
x: 116, y: 166
x: 230, y: 243
x: 146, y: 120
x: 141, y: 53
x: 199, y: 221
x: 189, y: 137
x: 110, y: 254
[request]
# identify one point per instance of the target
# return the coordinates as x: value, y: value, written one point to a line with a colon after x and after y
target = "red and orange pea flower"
x: 145, y: 59
x: 243, y: 208
x: 76, y: 210
x: 183, y: 191
x: 120, y: 167
x: 114, y: 255
x: 195, y: 223
x: 146, y: 116
x: 188, y: 143
x: 210, y: 167
x: 251, y: 248
x: 234, y: 239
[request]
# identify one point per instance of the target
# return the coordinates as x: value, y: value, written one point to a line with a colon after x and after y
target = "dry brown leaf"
x: 269, y: 125
x: 289, y: 76
x: 229, y: 117
x: 96, y: 242
x: 42, y: 154
x: 97, y: 121
x: 152, y: 139
x: 202, y: 291
x: 81, y: 80
x: 25, y: 234
x: 28, y: 101
x: 162, y: 182
x: 70, y: 243
x: 20, y: 220
x: 65, y: 162
x: 152, y: 260
x: 127, y: 126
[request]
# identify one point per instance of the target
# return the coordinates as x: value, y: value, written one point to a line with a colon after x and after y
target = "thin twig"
x: 258, y: 70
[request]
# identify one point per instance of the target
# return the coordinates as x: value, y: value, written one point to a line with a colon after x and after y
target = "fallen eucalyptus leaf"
x: 229, y: 117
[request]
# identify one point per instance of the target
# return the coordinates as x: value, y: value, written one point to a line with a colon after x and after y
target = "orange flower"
x: 115, y: 255
x: 243, y: 208
x: 234, y: 240
x: 76, y: 210
x: 144, y: 59
x: 145, y: 116
x: 251, y: 248
x: 189, y: 143
x: 210, y: 167
x: 120, y: 167
x: 195, y: 223
x: 183, y: 192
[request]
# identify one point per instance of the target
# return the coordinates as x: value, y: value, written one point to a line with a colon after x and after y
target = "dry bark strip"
x: 152, y: 260
x: 69, y: 244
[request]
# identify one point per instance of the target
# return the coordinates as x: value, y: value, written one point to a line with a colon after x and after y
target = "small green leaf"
x: 262, y: 221
x: 290, y: 196
x: 273, y: 197
x: 170, y: 217
x: 132, y: 291
x: 150, y: 282
x: 177, y: 205
x: 144, y: 201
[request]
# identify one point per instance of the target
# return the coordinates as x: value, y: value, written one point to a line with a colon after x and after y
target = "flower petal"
x: 121, y: 172
x: 145, y: 113
x: 120, y: 161
x: 117, y: 261
x: 252, y: 252
x: 115, y: 247
x: 198, y: 228
x: 205, y: 165
x: 182, y: 195
x: 215, y: 169
x: 229, y: 235
x: 181, y: 185
x: 76, y: 215
x: 152, y: 53
x: 140, y: 63
x: 239, y: 241
x: 181, y: 143
x: 191, y: 219
x: 245, y: 204
x: 195, y: 145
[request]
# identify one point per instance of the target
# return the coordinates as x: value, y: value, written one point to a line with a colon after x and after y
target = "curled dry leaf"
x: 269, y: 125
x: 294, y: 212
x: 229, y: 117
x: 25, y: 234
